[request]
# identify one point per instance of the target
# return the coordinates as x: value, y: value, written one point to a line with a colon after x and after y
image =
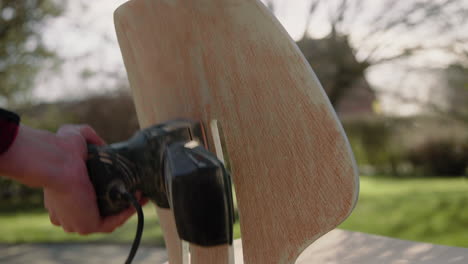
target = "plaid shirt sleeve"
x: 9, y: 124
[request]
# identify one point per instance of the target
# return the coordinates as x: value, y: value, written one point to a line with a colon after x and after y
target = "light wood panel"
x: 231, y: 61
x: 219, y: 254
x: 175, y: 251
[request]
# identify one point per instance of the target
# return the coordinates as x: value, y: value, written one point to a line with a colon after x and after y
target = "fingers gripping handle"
x: 109, y: 171
x: 169, y: 166
x: 110, y: 174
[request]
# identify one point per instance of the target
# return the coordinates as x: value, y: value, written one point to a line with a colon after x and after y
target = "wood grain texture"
x: 219, y: 254
x: 173, y: 243
x: 230, y: 60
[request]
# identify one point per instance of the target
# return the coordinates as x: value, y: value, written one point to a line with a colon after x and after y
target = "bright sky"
x: 79, y: 33
x: 90, y: 33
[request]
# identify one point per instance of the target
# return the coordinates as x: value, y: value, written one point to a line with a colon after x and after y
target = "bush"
x: 373, y: 144
x: 16, y: 197
x: 46, y: 117
x: 441, y: 157
x: 112, y: 116
x: 415, y: 146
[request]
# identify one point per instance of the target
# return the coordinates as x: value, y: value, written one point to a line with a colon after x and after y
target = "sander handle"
x: 110, y: 174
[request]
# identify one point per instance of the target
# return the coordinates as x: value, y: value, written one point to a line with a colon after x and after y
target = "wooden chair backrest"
x: 230, y: 64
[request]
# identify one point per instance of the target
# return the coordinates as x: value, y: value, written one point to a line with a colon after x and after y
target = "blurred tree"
x: 22, y: 51
x: 378, y: 32
x: 340, y: 73
x: 457, y: 95
x: 22, y: 54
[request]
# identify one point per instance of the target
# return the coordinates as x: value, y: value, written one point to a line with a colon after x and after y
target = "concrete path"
x: 78, y: 254
x: 336, y: 247
x: 344, y: 247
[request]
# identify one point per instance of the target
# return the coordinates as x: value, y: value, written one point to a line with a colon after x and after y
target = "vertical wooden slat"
x: 175, y: 251
x: 211, y: 255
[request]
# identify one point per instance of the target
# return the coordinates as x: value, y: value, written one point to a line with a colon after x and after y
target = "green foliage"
x: 21, y: 47
x: 441, y: 157
x: 15, y: 196
x: 408, y: 147
x: 427, y: 210
x: 50, y: 118
x: 372, y: 141
x: 372, y: 137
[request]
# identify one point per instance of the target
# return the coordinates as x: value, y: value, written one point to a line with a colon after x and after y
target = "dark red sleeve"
x: 9, y: 124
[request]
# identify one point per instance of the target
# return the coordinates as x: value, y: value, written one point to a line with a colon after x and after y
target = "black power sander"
x: 169, y: 164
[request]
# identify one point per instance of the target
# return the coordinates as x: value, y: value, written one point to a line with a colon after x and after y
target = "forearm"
x: 57, y: 163
x: 34, y: 159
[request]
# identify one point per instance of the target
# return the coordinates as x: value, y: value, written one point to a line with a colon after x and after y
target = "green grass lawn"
x: 35, y: 227
x: 430, y: 210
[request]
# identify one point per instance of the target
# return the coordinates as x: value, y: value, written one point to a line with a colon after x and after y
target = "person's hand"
x: 71, y: 202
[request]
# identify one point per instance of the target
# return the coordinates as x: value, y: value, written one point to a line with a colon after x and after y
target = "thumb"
x: 90, y: 135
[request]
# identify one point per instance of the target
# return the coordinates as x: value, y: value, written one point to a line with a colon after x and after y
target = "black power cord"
x: 136, y: 242
x: 120, y: 192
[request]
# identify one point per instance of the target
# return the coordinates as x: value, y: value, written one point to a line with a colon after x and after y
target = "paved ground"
x: 78, y: 254
x: 337, y: 247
